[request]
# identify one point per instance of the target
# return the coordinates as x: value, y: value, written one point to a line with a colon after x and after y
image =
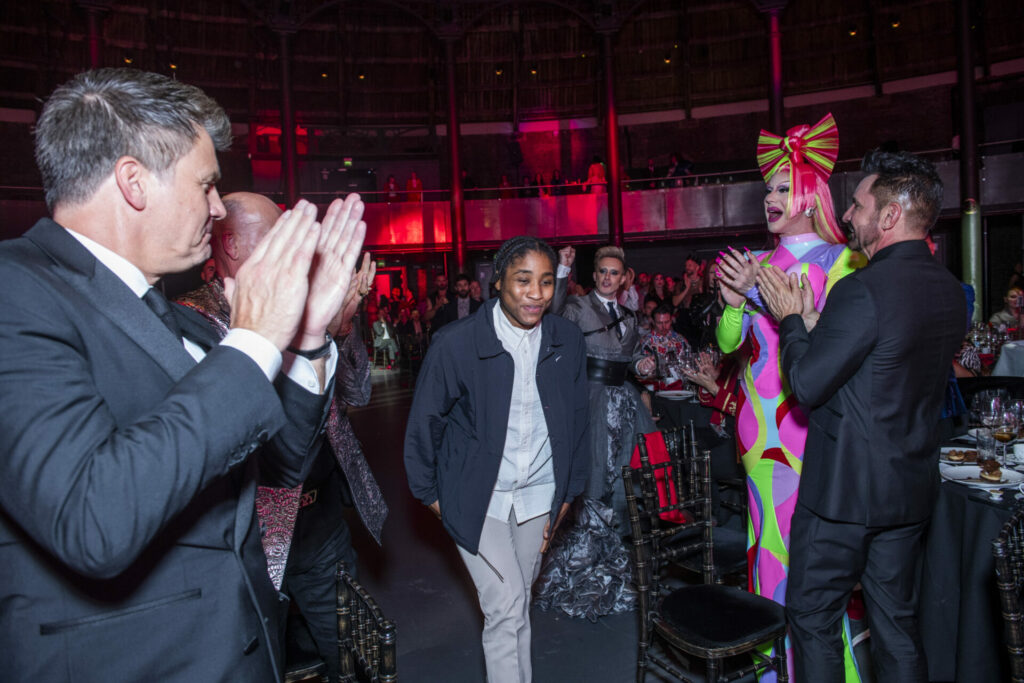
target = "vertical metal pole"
x: 458, y: 209
x: 611, y: 122
x: 775, y: 101
x: 970, y: 221
x: 288, y: 159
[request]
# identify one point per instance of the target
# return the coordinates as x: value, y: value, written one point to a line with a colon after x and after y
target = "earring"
x: 809, y: 212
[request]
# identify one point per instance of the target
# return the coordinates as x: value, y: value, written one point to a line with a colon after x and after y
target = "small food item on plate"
x: 955, y: 455
x: 990, y: 471
x: 971, y: 456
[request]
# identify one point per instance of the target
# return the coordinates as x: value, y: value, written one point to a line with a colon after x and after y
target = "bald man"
x: 304, y: 531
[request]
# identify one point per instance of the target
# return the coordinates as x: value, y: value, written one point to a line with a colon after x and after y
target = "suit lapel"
x: 195, y: 327
x: 112, y: 299
x: 599, y: 308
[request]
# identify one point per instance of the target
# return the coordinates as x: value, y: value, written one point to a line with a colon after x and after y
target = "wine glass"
x: 990, y: 410
x: 669, y: 368
x: 1006, y: 431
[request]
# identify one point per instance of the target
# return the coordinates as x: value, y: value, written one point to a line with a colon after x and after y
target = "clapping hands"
x: 297, y: 277
x: 787, y: 294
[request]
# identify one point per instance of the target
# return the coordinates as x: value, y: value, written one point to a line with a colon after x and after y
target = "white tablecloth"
x: 1011, y: 360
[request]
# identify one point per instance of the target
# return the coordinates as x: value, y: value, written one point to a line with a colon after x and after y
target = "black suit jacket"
x: 128, y: 540
x: 874, y: 372
x: 449, y: 313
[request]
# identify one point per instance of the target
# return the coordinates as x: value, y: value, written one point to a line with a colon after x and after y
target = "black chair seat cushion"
x: 716, y: 617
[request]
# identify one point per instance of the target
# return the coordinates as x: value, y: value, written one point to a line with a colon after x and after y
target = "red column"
x: 458, y: 207
x: 611, y: 122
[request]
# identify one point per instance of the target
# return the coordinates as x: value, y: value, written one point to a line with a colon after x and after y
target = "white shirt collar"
x: 606, y: 301
x: 124, y: 269
x: 509, y: 333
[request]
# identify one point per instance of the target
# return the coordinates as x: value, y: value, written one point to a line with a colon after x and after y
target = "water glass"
x: 986, y: 444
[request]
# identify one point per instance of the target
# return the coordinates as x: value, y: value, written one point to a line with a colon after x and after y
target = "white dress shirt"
x: 526, y: 478
x: 254, y: 345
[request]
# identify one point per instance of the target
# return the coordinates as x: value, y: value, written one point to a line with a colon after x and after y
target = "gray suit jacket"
x: 127, y: 532
x: 590, y: 314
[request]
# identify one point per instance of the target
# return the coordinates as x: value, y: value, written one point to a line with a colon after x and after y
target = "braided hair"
x: 517, y: 247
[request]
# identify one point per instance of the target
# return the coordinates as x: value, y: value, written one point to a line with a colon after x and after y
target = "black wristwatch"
x: 314, y: 354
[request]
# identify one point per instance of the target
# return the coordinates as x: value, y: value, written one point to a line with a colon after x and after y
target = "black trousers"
x: 827, y: 559
x: 313, y: 590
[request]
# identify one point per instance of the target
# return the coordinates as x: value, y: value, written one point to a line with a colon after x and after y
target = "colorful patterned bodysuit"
x: 771, y: 428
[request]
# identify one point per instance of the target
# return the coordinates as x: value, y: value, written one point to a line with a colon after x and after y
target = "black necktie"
x: 615, y: 315
x: 157, y: 303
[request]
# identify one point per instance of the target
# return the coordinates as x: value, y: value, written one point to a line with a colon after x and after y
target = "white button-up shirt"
x: 526, y: 478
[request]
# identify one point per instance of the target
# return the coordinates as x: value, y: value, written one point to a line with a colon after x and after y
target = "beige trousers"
x: 504, y: 570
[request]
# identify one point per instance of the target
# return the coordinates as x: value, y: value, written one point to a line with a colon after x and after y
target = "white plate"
x: 675, y: 394
x: 946, y: 461
x: 970, y: 475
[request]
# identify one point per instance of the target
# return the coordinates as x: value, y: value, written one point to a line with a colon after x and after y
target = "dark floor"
x: 421, y: 584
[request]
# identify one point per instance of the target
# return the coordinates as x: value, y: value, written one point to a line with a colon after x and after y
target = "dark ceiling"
x: 382, y: 62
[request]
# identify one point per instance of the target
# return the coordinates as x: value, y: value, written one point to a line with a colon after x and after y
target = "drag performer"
x: 771, y: 427
x: 587, y: 571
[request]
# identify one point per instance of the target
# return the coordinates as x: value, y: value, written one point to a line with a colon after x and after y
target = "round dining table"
x: 959, y: 613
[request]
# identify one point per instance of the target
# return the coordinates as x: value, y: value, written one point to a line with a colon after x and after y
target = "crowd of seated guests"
x: 402, y: 325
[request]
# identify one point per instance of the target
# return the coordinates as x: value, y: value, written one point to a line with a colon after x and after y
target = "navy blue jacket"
x: 456, y: 431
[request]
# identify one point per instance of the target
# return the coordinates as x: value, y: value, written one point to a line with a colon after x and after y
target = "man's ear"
x: 229, y: 243
x: 497, y: 285
x: 131, y: 178
x: 891, y: 215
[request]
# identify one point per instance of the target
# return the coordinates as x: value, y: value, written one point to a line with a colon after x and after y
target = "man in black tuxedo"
x: 128, y: 535
x: 873, y: 369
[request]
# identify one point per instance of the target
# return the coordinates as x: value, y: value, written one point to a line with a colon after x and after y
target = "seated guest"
x: 496, y: 442
x: 662, y: 342
x: 458, y: 307
x: 718, y: 385
x: 645, y: 318
x: 586, y: 573
x: 412, y: 328
x: 384, y: 337
x: 305, y: 534
x: 1011, y: 315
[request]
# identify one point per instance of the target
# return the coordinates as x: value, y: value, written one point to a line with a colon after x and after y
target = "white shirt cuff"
x: 563, y: 271
x: 257, y: 347
x: 300, y: 370
x: 271, y: 361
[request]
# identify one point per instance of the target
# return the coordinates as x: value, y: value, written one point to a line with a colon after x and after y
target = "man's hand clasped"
x: 298, y: 276
x: 787, y: 294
